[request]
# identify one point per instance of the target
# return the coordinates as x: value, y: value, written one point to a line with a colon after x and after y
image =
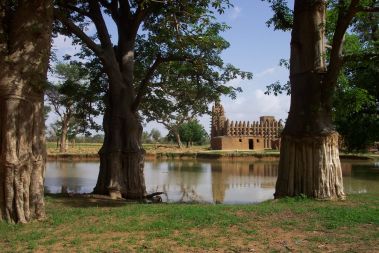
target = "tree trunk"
x: 24, y: 60
x: 178, y: 141
x: 63, y: 142
x: 122, y: 155
x: 309, y: 158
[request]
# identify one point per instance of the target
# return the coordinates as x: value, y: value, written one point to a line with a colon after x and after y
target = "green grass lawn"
x: 92, y: 225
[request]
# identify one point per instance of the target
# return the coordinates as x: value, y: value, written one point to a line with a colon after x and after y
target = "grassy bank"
x: 88, y: 151
x: 90, y: 225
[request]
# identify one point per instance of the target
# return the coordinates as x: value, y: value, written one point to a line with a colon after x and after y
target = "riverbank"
x: 89, y: 152
x: 296, y: 224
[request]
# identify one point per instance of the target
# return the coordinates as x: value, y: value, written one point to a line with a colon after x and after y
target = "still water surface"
x: 206, y: 180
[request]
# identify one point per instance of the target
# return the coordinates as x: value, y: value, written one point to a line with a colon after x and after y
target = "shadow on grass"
x: 87, y: 200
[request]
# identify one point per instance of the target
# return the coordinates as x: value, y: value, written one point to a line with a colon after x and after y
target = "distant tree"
x: 46, y: 111
x: 155, y: 135
x: 96, y: 138
x: 145, y: 137
x: 181, y: 95
x: 76, y: 99
x: 192, y: 132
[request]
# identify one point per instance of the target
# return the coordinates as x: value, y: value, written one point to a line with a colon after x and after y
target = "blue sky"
x: 255, y: 48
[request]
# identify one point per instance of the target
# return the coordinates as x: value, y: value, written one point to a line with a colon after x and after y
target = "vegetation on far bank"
x: 90, y: 150
x: 80, y: 224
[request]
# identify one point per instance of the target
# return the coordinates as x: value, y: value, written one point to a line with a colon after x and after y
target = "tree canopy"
x: 149, y: 37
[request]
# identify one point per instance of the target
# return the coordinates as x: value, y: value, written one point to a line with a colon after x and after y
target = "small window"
x: 257, y: 140
x: 240, y: 140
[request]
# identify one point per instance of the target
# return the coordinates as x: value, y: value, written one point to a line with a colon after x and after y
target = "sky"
x: 253, y: 47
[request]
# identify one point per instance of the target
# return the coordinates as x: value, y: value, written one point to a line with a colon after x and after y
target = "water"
x: 208, y: 181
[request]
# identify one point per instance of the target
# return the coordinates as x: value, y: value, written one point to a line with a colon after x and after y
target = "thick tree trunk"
x: 310, y: 166
x: 24, y: 60
x: 122, y: 155
x: 309, y: 158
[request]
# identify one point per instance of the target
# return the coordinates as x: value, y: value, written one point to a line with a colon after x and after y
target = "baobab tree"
x: 170, y: 31
x: 309, y: 158
x: 25, y: 35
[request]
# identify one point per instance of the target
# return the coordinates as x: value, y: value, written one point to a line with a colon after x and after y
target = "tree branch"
x: 76, y: 9
x: 358, y: 57
x: 97, y: 18
x: 143, y: 11
x: 149, y: 74
x: 343, y: 22
x: 125, y: 8
x: 74, y: 29
x: 368, y: 9
x: 112, y: 7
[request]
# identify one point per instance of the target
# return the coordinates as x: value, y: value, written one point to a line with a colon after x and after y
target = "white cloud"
x: 235, y: 13
x: 265, y: 72
x: 63, y: 45
x: 252, y: 105
x: 235, y: 82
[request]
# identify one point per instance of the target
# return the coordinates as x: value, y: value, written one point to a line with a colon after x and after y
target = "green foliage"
x: 178, y: 70
x: 356, y: 100
x: 145, y: 137
x: 77, y: 97
x: 181, y: 90
x: 192, y: 132
x: 283, y: 15
x: 357, y: 95
x: 155, y: 135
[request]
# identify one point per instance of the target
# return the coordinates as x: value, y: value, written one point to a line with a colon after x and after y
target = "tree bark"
x: 178, y: 141
x: 63, y: 142
x: 122, y: 155
x: 24, y: 57
x: 309, y: 158
x: 121, y: 158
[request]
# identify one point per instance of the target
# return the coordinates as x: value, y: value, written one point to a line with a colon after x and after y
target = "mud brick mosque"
x: 241, y: 135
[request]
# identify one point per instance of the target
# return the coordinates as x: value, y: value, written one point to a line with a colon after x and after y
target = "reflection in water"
x: 71, y: 176
x: 360, y: 177
x: 229, y: 178
x: 205, y: 180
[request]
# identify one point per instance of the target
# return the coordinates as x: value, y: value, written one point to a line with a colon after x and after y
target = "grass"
x: 293, y: 224
x: 90, y: 150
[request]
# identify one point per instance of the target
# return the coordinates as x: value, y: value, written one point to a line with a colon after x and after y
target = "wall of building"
x: 240, y: 143
x: 231, y: 135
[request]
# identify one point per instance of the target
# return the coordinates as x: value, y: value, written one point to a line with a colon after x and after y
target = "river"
x: 208, y: 181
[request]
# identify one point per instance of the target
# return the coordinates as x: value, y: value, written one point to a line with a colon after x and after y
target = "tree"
x: 145, y: 137
x: 155, y: 135
x: 181, y: 93
x: 77, y: 98
x: 172, y: 31
x: 25, y: 34
x: 357, y: 95
x: 309, y: 158
x: 356, y: 99
x: 191, y: 132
